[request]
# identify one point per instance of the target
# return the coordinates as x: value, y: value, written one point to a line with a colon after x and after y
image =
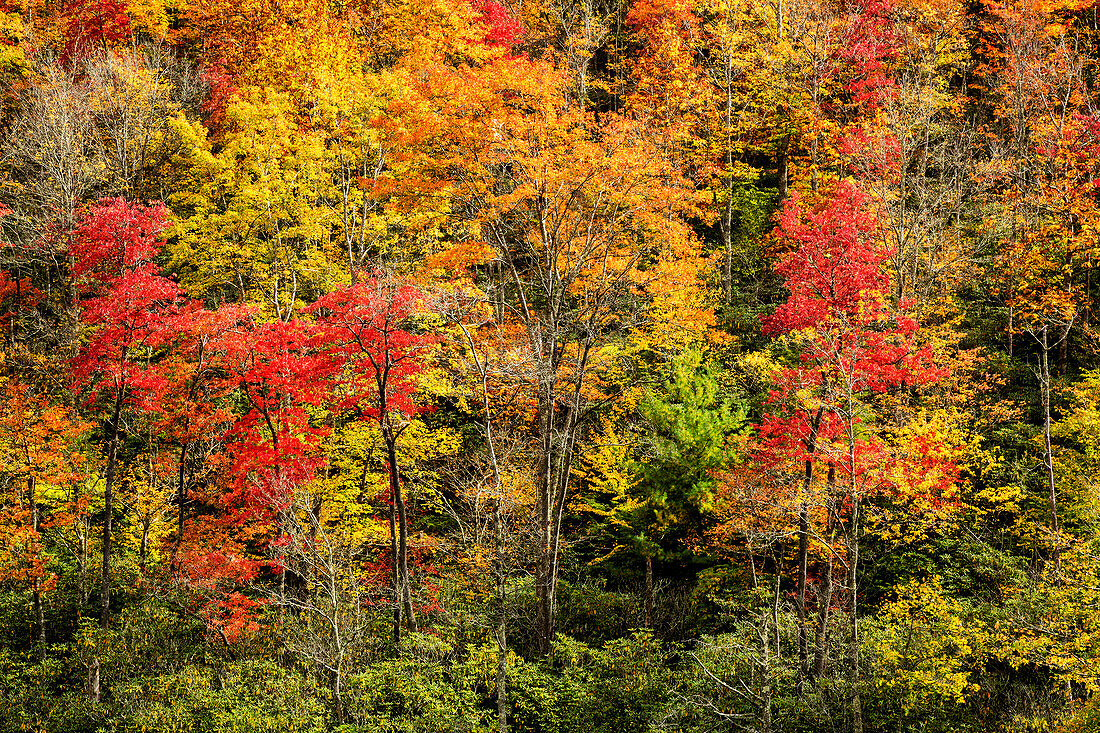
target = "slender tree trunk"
x: 562, y: 467
x: 93, y: 680
x: 1044, y: 378
x: 337, y: 633
x: 39, y: 613
x: 1011, y: 325
x: 559, y: 464
x: 280, y: 523
x: 545, y: 572
x: 853, y: 562
x: 1063, y: 350
x: 648, y: 591
x: 852, y: 545
x: 821, y: 632
x: 501, y: 562
x: 108, y: 511
x: 725, y: 218
x: 404, y: 584
x: 36, y: 593
x: 825, y: 596
x: 800, y: 606
x: 181, y: 502
x: 727, y: 250
x: 338, y: 696
x: 803, y: 551
x: 502, y: 619
x: 395, y: 574
x: 82, y: 530
x: 143, y: 550
x: 282, y: 587
x: 781, y: 169
x: 763, y: 666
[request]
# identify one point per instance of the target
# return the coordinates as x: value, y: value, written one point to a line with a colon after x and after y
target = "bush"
x: 620, y: 688
x: 245, y: 697
x: 422, y: 692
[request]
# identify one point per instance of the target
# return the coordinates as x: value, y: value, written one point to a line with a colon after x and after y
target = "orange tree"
x: 37, y: 451
x: 586, y: 250
x: 1045, y: 212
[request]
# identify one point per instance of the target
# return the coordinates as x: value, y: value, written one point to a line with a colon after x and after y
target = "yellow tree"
x: 147, y: 493
x: 745, y: 97
x: 254, y: 228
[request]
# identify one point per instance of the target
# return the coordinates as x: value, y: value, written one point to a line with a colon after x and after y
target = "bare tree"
x: 328, y: 623
x: 487, y: 483
x: 139, y: 100
x: 53, y: 148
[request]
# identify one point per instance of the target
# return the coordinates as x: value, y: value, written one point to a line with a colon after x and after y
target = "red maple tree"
x: 94, y: 25
x: 369, y: 326
x: 502, y: 28
x: 853, y: 344
x: 279, y: 370
x: 130, y: 310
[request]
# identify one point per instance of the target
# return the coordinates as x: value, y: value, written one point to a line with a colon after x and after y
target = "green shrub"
x: 245, y: 697
x: 424, y: 691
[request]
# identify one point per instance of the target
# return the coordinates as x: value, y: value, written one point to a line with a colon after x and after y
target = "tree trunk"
x: 724, y: 224
x: 804, y: 550
x: 108, y: 511
x: 36, y: 593
x: 338, y: 694
x: 561, y: 468
x: 825, y: 596
x: 143, y: 550
x: 404, y: 584
x: 821, y: 632
x: 552, y: 499
x: 781, y: 169
x: 39, y: 614
x: 800, y: 605
x: 649, y: 591
x: 545, y: 570
x: 83, y: 531
x: 502, y: 620
x: 501, y: 561
x: 1011, y: 325
x: 282, y: 587
x: 555, y: 462
x: 853, y: 562
x: 1063, y: 350
x: 763, y: 666
x: 181, y: 500
x: 93, y: 680
x: 395, y: 574
x: 1044, y: 378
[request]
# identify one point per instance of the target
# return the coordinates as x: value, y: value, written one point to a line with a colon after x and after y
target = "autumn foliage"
x: 472, y: 365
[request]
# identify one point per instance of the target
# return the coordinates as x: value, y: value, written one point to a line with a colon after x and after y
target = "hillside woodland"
x: 456, y: 366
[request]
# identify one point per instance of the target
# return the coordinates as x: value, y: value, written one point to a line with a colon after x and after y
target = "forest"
x: 549, y: 366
